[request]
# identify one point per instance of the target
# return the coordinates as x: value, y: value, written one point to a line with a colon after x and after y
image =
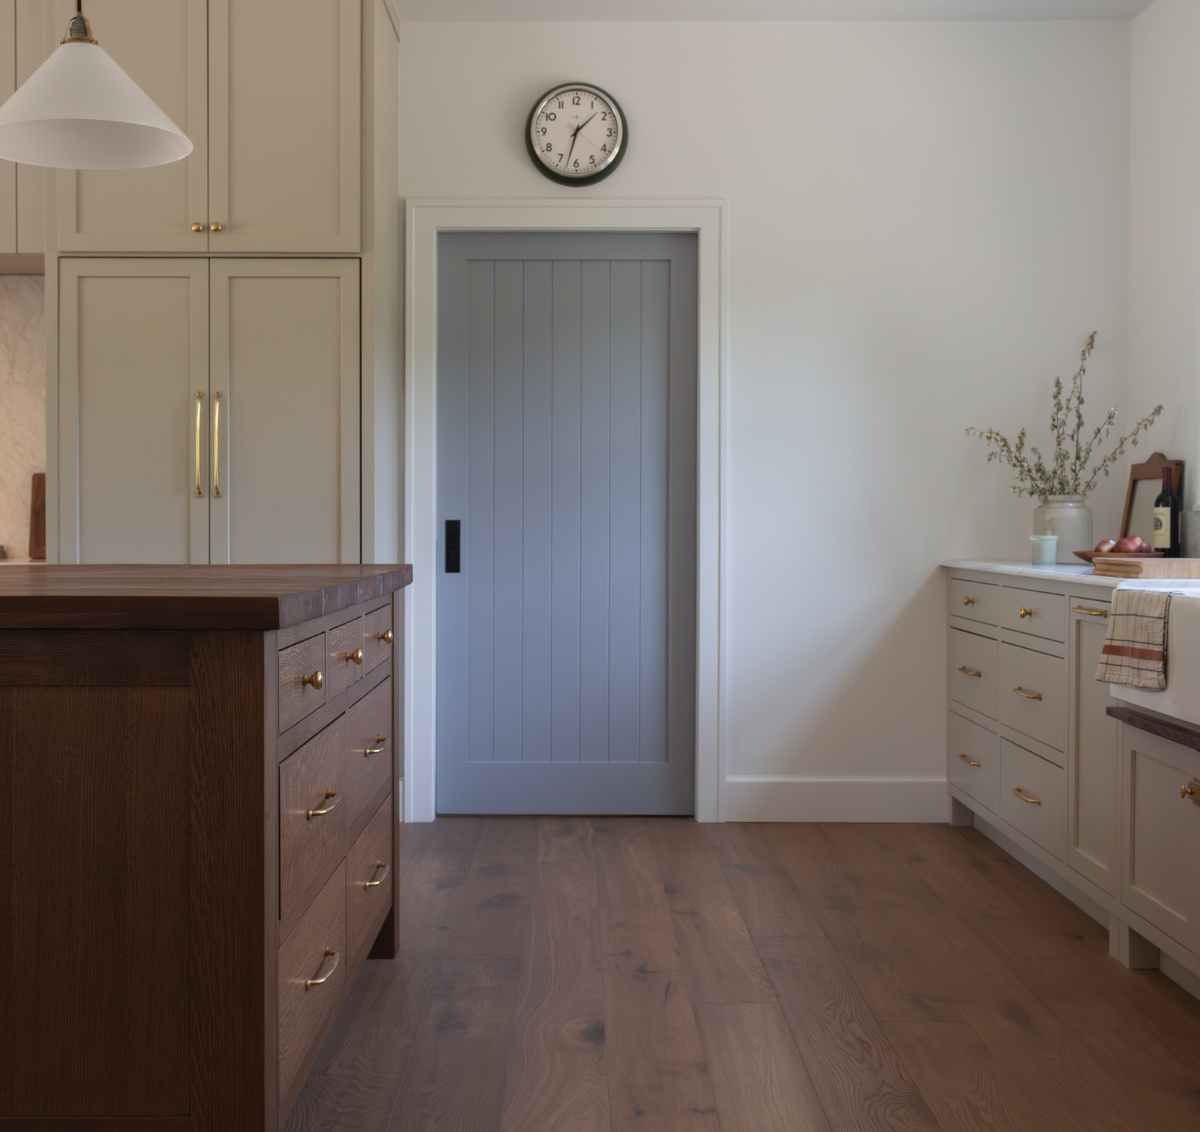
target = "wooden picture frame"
x: 1152, y: 469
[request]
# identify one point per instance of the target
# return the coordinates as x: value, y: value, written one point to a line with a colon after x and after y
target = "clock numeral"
x: 592, y: 159
x: 543, y: 129
x: 551, y: 116
x: 577, y: 163
x: 560, y: 106
x: 575, y: 101
x: 604, y: 116
x: 549, y: 147
x: 604, y: 149
x: 609, y: 132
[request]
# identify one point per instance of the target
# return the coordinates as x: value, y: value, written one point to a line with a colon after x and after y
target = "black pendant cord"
x: 79, y: 7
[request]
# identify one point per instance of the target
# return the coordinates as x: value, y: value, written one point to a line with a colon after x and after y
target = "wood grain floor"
x: 603, y: 975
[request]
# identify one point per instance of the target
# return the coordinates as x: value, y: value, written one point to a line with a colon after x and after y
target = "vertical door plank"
x: 8, y: 84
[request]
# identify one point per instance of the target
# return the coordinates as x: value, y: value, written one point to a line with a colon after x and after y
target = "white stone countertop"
x: 1081, y: 573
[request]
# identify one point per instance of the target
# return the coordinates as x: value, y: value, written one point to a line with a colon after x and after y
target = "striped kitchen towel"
x: 1135, y: 650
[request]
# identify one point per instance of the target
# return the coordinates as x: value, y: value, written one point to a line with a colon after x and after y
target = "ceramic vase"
x: 1070, y: 518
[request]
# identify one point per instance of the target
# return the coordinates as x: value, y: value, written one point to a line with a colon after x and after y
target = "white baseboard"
x: 812, y: 798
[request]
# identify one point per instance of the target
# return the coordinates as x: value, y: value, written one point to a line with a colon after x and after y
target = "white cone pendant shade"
x: 79, y: 110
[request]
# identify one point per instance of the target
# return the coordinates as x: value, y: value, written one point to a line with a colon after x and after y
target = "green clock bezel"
x: 591, y: 178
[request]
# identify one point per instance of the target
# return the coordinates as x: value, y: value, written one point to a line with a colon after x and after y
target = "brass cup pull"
x: 381, y: 742
x: 1026, y: 797
x: 968, y: 761
x: 332, y: 799
x: 386, y: 638
x: 1026, y: 612
x: 215, y: 226
x: 387, y: 868
x: 325, y: 977
x: 1028, y: 695
x: 968, y: 601
x: 197, y: 227
x: 317, y: 680
x: 199, y: 488
x: 1090, y: 612
x: 355, y: 656
x: 970, y: 671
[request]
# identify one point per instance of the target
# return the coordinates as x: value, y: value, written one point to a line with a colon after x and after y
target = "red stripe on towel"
x: 1132, y: 653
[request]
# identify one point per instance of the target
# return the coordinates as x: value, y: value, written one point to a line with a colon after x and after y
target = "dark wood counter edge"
x: 1184, y: 736
x: 200, y: 610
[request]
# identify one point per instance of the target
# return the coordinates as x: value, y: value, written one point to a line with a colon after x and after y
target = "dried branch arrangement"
x: 1067, y: 473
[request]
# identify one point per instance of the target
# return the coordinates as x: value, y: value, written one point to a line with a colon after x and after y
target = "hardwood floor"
x: 604, y: 975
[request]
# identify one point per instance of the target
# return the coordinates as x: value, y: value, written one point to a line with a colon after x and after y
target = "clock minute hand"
x: 574, y: 135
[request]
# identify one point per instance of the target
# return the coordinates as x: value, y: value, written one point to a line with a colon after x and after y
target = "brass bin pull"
x: 387, y: 868
x: 199, y: 488
x: 355, y: 656
x: 381, y: 742
x: 968, y: 601
x: 970, y: 671
x: 217, y: 445
x: 1026, y: 612
x: 1028, y: 695
x: 1090, y: 612
x: 386, y: 638
x: 1026, y: 797
x: 317, y: 680
x: 325, y: 977
x: 969, y: 761
x: 329, y: 806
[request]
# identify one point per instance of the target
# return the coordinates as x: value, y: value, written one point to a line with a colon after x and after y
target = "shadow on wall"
x: 22, y: 404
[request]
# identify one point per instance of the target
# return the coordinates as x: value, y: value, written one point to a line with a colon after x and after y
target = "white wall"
x: 926, y: 222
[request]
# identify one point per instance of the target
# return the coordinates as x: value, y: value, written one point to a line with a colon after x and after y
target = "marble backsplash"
x: 22, y: 404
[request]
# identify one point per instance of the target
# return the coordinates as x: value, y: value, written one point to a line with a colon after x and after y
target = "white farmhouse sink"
x: 1181, y: 697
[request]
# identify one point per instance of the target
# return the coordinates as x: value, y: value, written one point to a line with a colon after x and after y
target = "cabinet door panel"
x: 286, y: 362
x: 285, y: 122
x: 162, y: 45
x: 32, y: 50
x: 133, y: 353
x: 8, y: 83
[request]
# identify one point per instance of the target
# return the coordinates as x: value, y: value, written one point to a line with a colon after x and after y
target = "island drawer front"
x: 368, y: 878
x: 297, y: 697
x: 312, y: 779
x: 1045, y: 615
x: 1025, y: 674
x: 970, y: 744
x: 368, y: 768
x: 977, y: 601
x: 375, y: 649
x: 303, y: 1011
x: 344, y: 644
x: 973, y: 671
x: 1043, y: 819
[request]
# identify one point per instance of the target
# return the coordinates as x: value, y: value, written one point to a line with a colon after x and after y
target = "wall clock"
x: 576, y: 134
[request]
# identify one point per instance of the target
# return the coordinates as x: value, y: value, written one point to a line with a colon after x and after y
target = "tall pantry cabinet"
x: 225, y: 338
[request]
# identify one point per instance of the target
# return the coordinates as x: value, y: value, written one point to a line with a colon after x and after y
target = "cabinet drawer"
x: 978, y: 601
x: 1034, y: 612
x: 369, y: 754
x: 368, y: 878
x: 973, y: 761
x: 345, y: 656
x: 377, y: 637
x: 309, y: 781
x: 1033, y: 797
x: 315, y: 950
x: 973, y: 671
x: 1033, y: 694
x: 300, y: 665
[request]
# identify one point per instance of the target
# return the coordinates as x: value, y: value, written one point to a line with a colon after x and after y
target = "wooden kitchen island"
x: 200, y: 771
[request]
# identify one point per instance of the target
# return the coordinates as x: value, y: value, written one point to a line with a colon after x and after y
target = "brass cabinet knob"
x: 197, y: 227
x: 968, y: 601
x: 215, y: 226
x: 1026, y: 612
x: 1186, y: 791
x: 355, y: 656
x: 1189, y: 791
x: 387, y: 637
x: 317, y: 680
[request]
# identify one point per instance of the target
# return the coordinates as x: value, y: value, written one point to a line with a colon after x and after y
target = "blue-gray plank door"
x: 566, y: 654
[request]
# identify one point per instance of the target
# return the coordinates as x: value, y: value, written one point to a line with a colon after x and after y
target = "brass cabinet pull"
x: 970, y: 671
x: 199, y: 489
x: 355, y: 656
x: 1026, y: 797
x: 968, y: 601
x: 217, y: 445
x: 1190, y: 791
x: 386, y: 638
x: 1090, y: 612
x: 215, y: 226
x: 387, y: 868
x: 968, y: 761
x: 1028, y: 695
x: 325, y: 977
x: 1026, y: 612
x: 376, y: 750
x: 317, y: 680
x: 197, y: 227
x: 330, y: 805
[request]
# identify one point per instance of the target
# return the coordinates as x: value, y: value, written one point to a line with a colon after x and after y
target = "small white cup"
x: 1045, y: 549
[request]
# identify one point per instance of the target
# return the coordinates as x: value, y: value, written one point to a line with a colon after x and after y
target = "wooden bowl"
x: 1092, y: 555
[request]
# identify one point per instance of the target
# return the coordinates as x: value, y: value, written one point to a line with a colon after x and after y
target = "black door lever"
x: 453, y: 545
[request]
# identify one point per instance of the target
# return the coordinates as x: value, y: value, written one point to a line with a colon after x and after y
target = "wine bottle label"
x: 1162, y: 528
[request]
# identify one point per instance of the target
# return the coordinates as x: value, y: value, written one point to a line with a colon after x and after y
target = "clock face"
x: 576, y: 134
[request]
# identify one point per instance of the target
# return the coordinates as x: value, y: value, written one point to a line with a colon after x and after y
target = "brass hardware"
x: 970, y: 671
x: 386, y: 638
x: 317, y: 680
x: 1026, y: 797
x: 968, y: 601
x: 1028, y: 695
x: 197, y: 227
x: 328, y: 808
x: 1090, y: 612
x: 968, y: 761
x: 387, y: 868
x: 1191, y: 790
x: 324, y: 978
x: 1026, y: 612
x: 79, y: 30
x: 199, y: 489
x: 215, y: 226
x: 376, y: 750
x: 355, y: 656
x: 217, y: 445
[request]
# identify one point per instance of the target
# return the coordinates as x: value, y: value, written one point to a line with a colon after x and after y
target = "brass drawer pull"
x: 1026, y: 797
x: 1190, y: 791
x: 199, y: 489
x: 968, y: 761
x: 387, y: 868
x: 1026, y: 612
x: 1090, y: 612
x: 330, y: 805
x: 1028, y: 695
x: 317, y: 680
x: 355, y: 656
x: 325, y: 977
x: 968, y: 601
x: 386, y: 638
x: 217, y: 445
x: 376, y: 750
x: 970, y: 671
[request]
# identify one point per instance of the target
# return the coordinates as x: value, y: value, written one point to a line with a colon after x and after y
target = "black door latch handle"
x: 453, y: 545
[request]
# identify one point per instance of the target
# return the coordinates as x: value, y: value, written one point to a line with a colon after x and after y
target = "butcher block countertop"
x: 186, y: 597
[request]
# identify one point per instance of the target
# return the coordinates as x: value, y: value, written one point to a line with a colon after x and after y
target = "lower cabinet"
x: 1033, y: 797
x: 974, y: 762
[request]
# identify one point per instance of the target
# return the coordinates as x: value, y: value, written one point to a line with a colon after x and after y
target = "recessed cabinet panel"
x: 973, y: 760
x: 972, y: 672
x: 1033, y: 694
x: 32, y: 50
x: 1033, y: 797
x: 8, y: 83
x: 977, y: 601
x: 1031, y: 611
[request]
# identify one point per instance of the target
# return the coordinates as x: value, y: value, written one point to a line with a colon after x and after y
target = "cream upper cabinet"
x: 8, y: 83
x: 133, y: 449
x: 22, y: 187
x: 285, y: 363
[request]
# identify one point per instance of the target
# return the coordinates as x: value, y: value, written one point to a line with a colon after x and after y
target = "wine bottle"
x: 1166, y: 519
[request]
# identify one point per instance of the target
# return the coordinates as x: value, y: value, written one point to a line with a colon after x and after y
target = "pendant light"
x: 79, y: 110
